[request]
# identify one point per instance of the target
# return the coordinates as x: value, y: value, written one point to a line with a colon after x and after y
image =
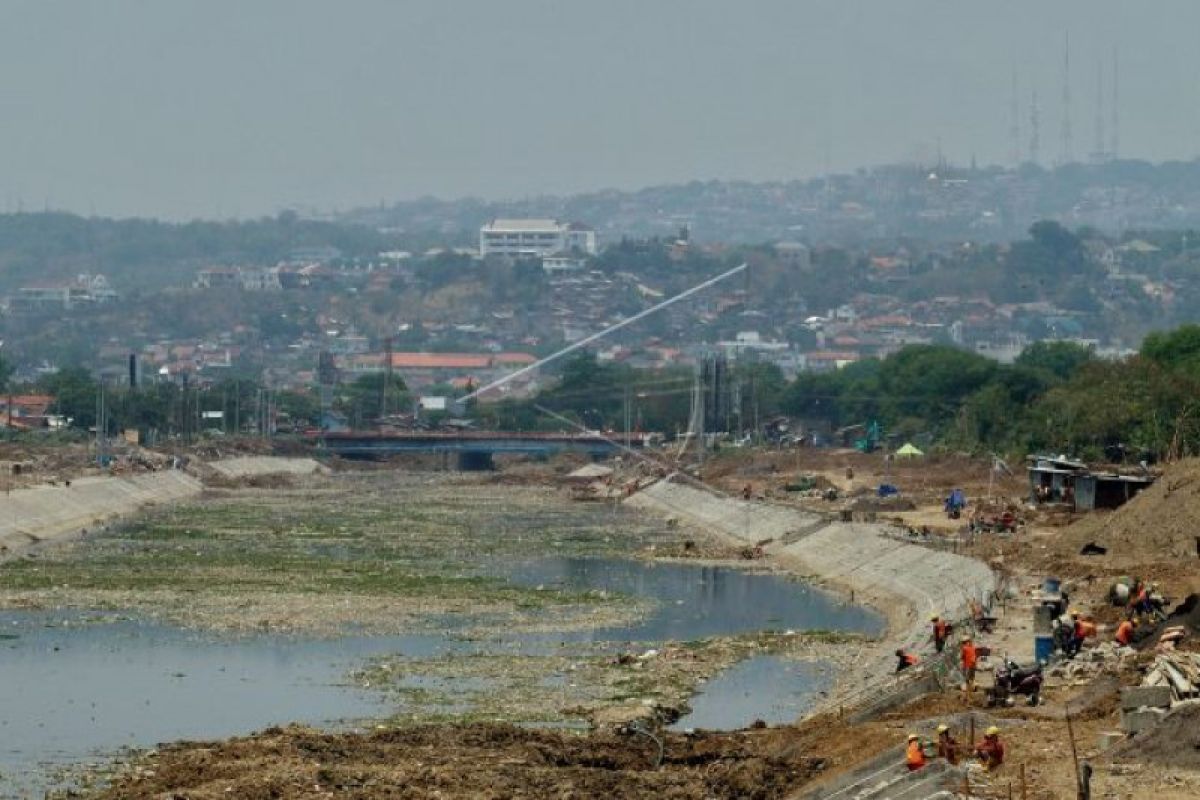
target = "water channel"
x: 76, y: 687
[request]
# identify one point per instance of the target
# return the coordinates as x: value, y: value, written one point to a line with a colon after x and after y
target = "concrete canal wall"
x: 907, y: 582
x: 41, y: 513
x: 46, y: 512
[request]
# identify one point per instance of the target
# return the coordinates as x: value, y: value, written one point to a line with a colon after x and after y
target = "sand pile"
x: 1160, y: 524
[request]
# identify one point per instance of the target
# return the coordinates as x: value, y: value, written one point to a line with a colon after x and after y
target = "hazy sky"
x: 216, y: 108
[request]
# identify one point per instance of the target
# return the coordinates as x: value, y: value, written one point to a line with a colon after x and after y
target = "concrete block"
x: 1135, y: 697
x: 1142, y: 720
x: 1106, y: 739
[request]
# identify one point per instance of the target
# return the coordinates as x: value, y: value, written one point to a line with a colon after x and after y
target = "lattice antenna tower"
x: 1034, y: 130
x: 1014, y: 130
x: 1114, y: 132
x: 1100, y: 155
x: 1068, y: 145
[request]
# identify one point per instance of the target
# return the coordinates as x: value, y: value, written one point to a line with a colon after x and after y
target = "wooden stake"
x: 1024, y: 785
x: 1074, y: 754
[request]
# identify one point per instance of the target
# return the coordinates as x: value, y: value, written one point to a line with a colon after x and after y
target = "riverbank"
x: 467, y: 597
x: 905, y: 582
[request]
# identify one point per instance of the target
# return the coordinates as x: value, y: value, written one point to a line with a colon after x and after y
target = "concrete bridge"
x: 474, y: 449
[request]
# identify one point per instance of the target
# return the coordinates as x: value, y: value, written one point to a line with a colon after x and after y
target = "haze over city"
x: 219, y: 109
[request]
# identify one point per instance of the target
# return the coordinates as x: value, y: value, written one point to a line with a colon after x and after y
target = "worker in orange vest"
x: 969, y: 657
x: 904, y: 660
x: 1125, y: 632
x: 914, y: 753
x: 941, y: 632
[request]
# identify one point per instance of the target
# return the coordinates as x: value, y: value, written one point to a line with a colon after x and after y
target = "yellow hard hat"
x: 912, y: 736
x: 966, y: 637
x: 1074, y: 612
x: 993, y: 731
x: 934, y: 618
x: 943, y: 728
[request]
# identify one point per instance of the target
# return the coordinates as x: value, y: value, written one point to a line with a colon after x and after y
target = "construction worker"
x: 904, y: 660
x: 914, y: 753
x: 1124, y: 635
x: 941, y: 631
x: 1139, y: 600
x: 991, y: 750
x: 1077, y: 634
x: 969, y: 658
x: 947, y: 745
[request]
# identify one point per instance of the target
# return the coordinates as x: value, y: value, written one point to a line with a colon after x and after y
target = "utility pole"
x: 387, y: 378
x: 625, y: 414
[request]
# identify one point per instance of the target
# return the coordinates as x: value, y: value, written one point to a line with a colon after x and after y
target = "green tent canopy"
x: 909, y: 451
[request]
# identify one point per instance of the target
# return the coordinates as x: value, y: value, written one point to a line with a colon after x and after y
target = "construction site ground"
x: 1147, y: 538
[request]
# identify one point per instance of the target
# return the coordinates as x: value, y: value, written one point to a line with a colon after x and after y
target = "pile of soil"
x: 1186, y: 614
x: 467, y: 761
x: 1174, y: 742
x: 1157, y: 525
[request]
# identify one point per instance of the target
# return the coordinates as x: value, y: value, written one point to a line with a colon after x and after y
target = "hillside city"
x: 989, y: 261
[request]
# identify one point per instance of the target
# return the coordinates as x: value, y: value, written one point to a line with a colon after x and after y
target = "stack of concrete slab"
x: 46, y: 512
x: 1143, y: 707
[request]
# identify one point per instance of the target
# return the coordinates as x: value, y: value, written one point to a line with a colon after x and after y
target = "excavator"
x: 871, y: 439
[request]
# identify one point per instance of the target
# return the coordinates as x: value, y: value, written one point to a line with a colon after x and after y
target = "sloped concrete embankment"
x: 905, y: 581
x: 41, y: 513
x: 253, y: 466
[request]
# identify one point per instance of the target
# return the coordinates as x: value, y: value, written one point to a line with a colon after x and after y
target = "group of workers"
x: 989, y: 751
x: 968, y: 654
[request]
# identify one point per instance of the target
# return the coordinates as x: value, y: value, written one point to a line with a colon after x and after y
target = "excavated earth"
x: 469, y: 761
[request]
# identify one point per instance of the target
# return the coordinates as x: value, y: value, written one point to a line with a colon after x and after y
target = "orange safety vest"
x: 914, y: 756
x: 969, y: 658
x: 940, y: 629
x: 1125, y: 632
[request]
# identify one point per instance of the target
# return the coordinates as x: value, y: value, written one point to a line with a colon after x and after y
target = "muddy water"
x: 74, y: 688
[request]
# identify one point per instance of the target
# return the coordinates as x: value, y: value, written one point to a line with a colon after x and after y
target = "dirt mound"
x: 467, y: 761
x: 1160, y: 524
x: 1174, y: 742
x: 1186, y: 614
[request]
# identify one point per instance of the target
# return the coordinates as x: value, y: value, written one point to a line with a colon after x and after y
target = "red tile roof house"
x: 25, y: 411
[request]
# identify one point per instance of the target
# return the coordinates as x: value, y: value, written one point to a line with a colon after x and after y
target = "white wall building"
x: 535, y: 238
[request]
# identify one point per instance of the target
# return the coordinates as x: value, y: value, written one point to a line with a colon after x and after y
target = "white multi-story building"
x: 521, y: 238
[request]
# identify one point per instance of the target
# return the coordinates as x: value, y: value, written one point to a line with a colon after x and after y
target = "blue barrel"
x: 1051, y: 585
x: 1043, y: 648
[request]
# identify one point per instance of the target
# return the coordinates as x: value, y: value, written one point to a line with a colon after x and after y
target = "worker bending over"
x: 991, y: 750
x: 1125, y: 630
x: 905, y: 660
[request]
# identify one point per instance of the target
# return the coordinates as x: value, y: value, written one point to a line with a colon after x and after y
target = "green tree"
x: 1060, y: 359
x: 74, y: 392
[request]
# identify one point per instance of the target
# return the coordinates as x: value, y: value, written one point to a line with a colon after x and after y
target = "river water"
x: 75, y: 687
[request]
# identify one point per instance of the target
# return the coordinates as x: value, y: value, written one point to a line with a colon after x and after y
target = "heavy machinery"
x: 871, y: 438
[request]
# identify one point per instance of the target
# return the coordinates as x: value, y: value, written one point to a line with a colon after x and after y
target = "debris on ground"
x: 1174, y: 741
x: 469, y: 761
